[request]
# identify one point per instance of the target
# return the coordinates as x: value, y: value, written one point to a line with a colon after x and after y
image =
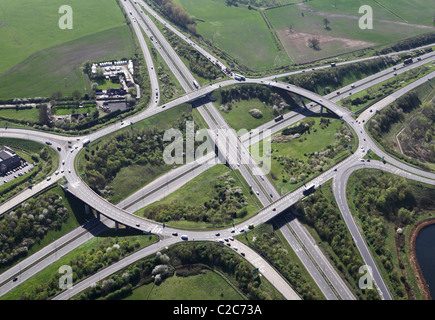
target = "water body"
x: 425, y: 251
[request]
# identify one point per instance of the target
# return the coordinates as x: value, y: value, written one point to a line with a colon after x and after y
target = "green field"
x: 38, y: 58
x: 343, y: 34
x: 196, y: 287
x: 103, y: 85
x: 240, y: 32
x: 27, y: 27
x: 30, y: 115
x: 58, y: 68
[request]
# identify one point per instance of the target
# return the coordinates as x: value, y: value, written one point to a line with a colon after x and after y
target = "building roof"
x: 6, y: 153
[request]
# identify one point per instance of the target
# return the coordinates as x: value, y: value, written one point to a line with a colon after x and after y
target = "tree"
x: 326, y: 22
x: 314, y: 43
x: 44, y: 118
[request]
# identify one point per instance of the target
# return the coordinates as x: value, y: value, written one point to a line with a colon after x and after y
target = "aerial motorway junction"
x: 236, y: 156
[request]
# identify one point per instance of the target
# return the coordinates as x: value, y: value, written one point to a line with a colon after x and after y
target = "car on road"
x: 218, y: 234
x: 175, y: 233
x: 49, y: 178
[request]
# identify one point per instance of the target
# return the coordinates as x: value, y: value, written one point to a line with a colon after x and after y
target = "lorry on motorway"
x: 407, y: 61
x: 309, y: 191
x: 196, y: 85
x: 279, y: 118
x: 86, y: 142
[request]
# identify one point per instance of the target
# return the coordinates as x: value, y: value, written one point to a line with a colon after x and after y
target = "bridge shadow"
x: 285, y: 217
x: 202, y: 100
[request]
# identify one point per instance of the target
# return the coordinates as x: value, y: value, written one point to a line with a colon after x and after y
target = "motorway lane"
x: 273, y: 77
x: 51, y: 253
x: 281, y: 221
x: 206, y: 54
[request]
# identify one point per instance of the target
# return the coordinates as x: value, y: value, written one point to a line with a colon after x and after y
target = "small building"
x: 8, y: 159
x: 115, y: 105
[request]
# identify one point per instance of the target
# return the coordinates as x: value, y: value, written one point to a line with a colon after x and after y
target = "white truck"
x: 86, y: 142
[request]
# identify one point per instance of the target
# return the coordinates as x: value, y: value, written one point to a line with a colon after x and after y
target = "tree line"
x: 177, y: 14
x: 198, y: 64
x: 322, y: 81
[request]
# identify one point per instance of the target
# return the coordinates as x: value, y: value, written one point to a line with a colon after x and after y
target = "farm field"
x: 343, y: 33
x: 58, y: 68
x: 38, y: 58
x: 225, y: 26
x: 27, y: 27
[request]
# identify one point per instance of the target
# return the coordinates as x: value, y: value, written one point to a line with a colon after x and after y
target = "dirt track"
x: 422, y: 285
